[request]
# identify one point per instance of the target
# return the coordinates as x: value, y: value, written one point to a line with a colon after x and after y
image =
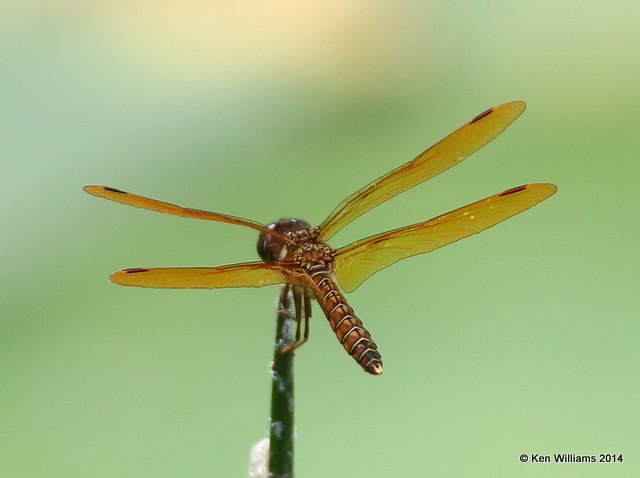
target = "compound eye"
x: 272, y: 248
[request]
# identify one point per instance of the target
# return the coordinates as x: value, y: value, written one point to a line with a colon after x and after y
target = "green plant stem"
x: 282, y: 399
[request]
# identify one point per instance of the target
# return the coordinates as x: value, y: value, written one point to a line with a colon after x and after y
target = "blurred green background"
x: 523, y: 339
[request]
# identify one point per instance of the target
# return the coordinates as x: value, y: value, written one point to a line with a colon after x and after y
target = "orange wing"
x: 439, y: 157
x: 358, y: 261
x: 124, y: 197
x: 249, y: 274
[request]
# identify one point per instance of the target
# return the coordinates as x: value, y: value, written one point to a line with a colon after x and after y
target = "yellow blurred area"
x: 199, y: 42
x: 219, y: 41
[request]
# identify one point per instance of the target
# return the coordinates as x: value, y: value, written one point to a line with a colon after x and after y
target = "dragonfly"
x: 298, y: 255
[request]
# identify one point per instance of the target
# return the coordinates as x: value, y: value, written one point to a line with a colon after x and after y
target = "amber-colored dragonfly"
x: 296, y: 254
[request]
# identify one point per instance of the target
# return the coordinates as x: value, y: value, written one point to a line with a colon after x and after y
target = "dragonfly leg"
x: 307, y: 315
x: 297, y: 299
x: 283, y: 302
x: 300, y: 294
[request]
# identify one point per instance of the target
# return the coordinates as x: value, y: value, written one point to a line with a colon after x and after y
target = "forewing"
x: 249, y: 274
x: 131, y: 199
x: 358, y: 261
x: 439, y: 157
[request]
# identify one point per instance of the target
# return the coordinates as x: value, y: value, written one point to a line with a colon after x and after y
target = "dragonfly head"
x: 273, y: 248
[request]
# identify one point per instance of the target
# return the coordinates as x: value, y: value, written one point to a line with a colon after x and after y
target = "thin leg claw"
x: 302, y: 307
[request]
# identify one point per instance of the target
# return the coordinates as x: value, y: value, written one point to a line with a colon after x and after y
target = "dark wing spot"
x: 114, y: 190
x: 481, y: 115
x: 517, y: 189
x: 134, y: 270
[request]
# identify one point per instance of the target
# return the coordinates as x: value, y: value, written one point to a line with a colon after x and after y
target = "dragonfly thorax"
x: 310, y: 254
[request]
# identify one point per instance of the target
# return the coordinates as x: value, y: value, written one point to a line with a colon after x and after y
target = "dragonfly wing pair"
x: 358, y: 261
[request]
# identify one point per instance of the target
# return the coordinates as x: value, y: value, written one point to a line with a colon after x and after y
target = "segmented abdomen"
x: 348, y: 328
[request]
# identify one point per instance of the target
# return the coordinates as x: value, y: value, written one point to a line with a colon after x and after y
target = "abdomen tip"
x: 375, y: 369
